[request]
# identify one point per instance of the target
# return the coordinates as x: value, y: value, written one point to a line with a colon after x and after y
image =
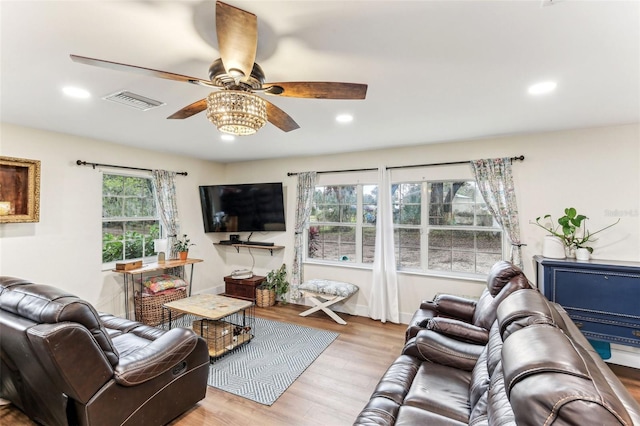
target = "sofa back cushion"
x: 504, y: 278
x: 550, y: 380
x: 46, y: 304
x: 526, y: 307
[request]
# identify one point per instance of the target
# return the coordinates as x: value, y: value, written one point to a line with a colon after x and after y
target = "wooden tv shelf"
x: 251, y: 246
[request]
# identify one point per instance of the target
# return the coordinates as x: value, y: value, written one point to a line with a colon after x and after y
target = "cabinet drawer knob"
x: 579, y: 324
x: 636, y: 333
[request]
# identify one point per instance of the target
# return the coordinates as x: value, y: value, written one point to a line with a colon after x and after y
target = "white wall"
x: 64, y: 248
x: 595, y: 170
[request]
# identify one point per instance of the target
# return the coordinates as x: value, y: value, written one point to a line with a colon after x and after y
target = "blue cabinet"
x: 601, y: 297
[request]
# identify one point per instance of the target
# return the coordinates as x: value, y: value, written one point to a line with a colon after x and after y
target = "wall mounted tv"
x: 243, y: 207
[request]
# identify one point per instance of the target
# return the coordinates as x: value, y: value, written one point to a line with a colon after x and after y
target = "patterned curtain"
x: 164, y: 183
x: 306, y: 187
x: 383, y: 303
x: 495, y: 181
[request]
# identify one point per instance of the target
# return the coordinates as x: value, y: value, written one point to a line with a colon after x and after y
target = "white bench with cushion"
x: 324, y: 293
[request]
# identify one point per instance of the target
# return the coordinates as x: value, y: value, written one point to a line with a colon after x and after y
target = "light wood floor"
x: 332, y: 391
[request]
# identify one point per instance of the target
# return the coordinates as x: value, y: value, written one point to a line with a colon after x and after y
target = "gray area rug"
x: 264, y: 368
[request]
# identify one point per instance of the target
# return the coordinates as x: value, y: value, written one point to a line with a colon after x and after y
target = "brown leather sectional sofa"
x: 62, y: 363
x: 535, y: 367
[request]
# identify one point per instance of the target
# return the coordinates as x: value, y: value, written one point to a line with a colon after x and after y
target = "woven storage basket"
x: 149, y: 308
x: 265, y: 298
x: 218, y: 335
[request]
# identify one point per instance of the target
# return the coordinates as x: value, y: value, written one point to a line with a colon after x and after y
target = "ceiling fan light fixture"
x: 236, y: 112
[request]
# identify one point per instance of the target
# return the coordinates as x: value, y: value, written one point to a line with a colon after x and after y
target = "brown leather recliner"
x: 63, y: 363
x: 466, y: 319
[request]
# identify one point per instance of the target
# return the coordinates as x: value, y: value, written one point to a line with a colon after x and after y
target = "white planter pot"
x: 582, y: 254
x: 553, y: 247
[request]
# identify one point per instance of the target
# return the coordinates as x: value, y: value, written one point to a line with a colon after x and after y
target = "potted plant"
x: 275, y: 285
x: 571, y: 231
x: 182, y: 246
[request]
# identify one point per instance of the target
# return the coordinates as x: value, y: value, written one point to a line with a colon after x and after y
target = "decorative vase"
x: 183, y: 255
x: 553, y: 247
x: 582, y: 254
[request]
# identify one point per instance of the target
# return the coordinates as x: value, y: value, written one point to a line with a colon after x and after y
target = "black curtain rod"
x: 337, y: 171
x: 518, y: 158
x: 94, y: 165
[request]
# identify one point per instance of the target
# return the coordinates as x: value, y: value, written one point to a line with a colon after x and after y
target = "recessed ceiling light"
x: 227, y: 138
x: 344, y: 118
x: 76, y: 92
x: 542, y: 88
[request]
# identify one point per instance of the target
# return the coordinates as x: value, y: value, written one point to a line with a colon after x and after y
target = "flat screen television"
x: 247, y: 207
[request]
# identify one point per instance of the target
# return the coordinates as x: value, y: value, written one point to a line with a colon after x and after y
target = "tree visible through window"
x: 129, y: 218
x: 450, y: 229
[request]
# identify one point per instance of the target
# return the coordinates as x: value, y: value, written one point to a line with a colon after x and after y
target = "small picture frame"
x: 19, y: 190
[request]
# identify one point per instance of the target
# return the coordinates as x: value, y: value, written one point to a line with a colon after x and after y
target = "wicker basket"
x: 218, y: 335
x: 265, y: 298
x: 149, y: 308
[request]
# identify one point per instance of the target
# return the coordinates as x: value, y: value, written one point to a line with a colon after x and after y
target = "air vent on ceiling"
x: 133, y: 100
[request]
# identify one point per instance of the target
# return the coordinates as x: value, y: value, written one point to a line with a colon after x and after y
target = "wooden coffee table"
x: 225, y: 322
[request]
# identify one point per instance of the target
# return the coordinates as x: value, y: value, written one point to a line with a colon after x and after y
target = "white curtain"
x: 164, y: 183
x: 383, y: 303
x: 495, y: 181
x: 306, y: 187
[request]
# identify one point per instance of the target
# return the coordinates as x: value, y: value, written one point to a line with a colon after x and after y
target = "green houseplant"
x: 182, y: 246
x: 571, y: 229
x: 275, y: 285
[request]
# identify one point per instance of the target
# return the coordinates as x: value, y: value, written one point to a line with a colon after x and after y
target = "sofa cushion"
x: 499, y: 410
x: 396, y: 381
x: 479, y: 379
x: 379, y: 411
x: 429, y: 345
x: 494, y: 348
x: 442, y: 390
x: 46, y: 304
x: 458, y: 330
x: 412, y: 416
x: 504, y: 278
x: 556, y: 382
x: 524, y: 308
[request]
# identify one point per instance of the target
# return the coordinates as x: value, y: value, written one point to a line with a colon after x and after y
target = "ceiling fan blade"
x: 189, y: 110
x: 139, y: 70
x: 280, y: 119
x: 317, y: 90
x: 237, y: 32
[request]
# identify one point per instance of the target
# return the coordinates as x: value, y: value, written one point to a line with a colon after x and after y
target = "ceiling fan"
x: 234, y: 107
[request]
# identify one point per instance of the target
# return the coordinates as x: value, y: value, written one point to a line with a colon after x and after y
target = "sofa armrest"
x: 72, y: 358
x: 455, y: 307
x: 156, y: 358
x: 459, y: 330
x: 429, y: 345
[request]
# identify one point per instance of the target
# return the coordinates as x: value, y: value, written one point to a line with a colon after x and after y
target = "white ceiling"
x: 437, y: 70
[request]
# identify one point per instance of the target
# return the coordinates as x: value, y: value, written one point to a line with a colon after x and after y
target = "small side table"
x: 152, y: 267
x: 242, y: 288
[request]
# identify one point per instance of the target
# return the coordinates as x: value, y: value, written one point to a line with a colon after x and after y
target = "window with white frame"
x: 342, y: 224
x: 444, y: 226
x: 130, y: 219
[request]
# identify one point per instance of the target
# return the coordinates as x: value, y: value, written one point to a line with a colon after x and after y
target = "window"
x: 342, y: 224
x: 130, y: 220
x: 444, y: 226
